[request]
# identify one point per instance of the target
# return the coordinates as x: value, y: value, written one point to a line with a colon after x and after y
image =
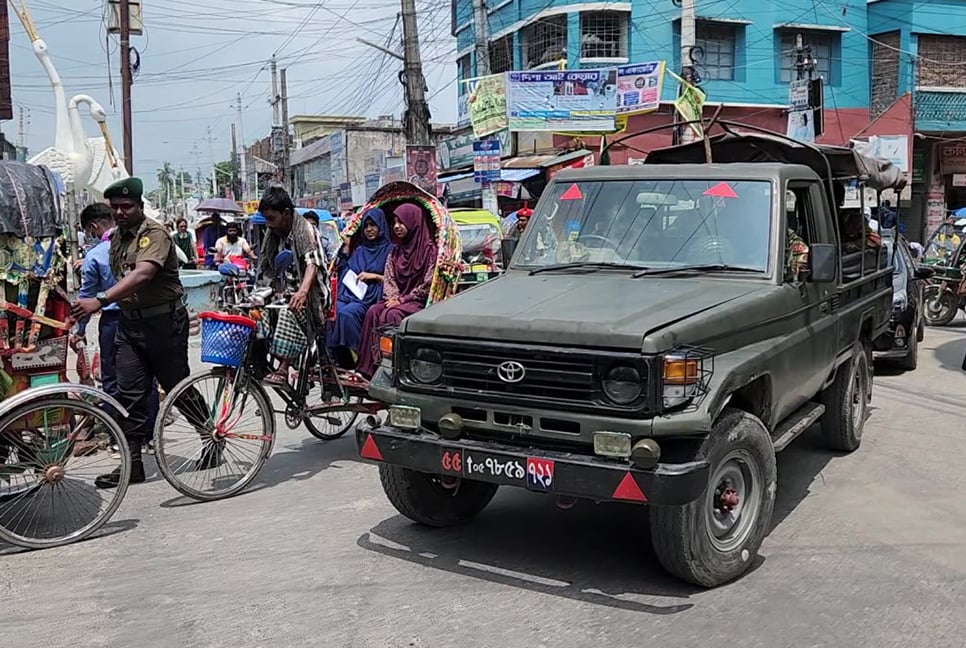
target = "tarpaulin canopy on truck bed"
x: 732, y: 147
x: 29, y: 200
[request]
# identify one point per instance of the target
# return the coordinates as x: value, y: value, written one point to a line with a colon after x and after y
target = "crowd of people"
x: 129, y: 276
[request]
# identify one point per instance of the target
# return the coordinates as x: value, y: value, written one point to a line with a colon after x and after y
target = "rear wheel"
x: 911, y: 360
x: 940, y: 306
x: 51, y: 452
x: 846, y: 403
x: 434, y: 500
x: 713, y: 539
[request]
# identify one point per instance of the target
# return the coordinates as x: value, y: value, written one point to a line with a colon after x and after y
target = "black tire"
x: 422, y: 498
x: 846, y: 403
x: 939, y: 306
x: 325, y: 430
x: 691, y: 541
x: 921, y: 328
x: 910, y: 361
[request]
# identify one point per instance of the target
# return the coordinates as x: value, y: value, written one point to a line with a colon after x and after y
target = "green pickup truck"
x: 661, y: 332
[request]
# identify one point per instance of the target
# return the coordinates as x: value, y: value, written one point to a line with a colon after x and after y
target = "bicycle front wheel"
x: 51, y: 451
x: 213, y: 434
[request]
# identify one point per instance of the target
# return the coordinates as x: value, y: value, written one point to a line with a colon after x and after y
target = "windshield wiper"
x: 706, y: 267
x: 589, y: 266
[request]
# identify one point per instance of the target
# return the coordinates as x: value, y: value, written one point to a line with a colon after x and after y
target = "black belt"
x: 154, y: 311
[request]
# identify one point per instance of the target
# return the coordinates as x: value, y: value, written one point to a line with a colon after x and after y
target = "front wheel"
x: 213, y: 434
x: 940, y: 306
x: 713, y: 539
x: 434, y: 500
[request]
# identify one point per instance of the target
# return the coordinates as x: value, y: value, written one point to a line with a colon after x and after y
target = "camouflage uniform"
x: 797, y: 259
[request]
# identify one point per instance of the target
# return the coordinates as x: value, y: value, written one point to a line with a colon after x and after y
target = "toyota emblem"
x: 511, y: 371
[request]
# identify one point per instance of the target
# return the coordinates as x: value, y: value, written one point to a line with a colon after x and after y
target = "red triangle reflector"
x: 721, y: 190
x: 629, y: 490
x: 369, y: 450
x: 573, y: 193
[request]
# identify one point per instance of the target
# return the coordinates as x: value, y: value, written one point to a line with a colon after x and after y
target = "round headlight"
x: 622, y: 384
x: 426, y: 365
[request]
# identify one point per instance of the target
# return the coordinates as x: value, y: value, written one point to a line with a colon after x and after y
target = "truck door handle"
x: 824, y: 307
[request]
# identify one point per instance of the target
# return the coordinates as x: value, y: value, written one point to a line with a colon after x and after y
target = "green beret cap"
x: 131, y: 188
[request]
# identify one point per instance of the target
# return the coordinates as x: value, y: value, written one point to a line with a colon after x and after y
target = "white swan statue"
x: 88, y: 163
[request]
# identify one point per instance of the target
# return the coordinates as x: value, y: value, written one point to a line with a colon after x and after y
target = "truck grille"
x: 562, y: 378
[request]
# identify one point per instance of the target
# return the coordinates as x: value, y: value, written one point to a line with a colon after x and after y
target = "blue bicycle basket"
x: 224, y: 338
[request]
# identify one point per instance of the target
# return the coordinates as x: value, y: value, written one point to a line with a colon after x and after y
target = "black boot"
x: 112, y: 479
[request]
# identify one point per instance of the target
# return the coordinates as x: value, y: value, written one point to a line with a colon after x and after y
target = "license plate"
x: 504, y: 469
x: 482, y: 276
x: 540, y: 474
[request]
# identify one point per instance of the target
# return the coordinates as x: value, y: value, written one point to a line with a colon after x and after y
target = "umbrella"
x: 219, y: 205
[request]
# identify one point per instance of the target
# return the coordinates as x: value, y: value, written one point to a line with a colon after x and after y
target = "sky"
x: 195, y: 57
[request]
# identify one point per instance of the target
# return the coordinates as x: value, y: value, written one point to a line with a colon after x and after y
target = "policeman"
x: 152, y: 334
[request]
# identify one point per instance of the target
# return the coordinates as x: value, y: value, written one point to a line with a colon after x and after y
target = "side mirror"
x: 283, y: 261
x: 924, y: 272
x: 507, y: 248
x: 823, y: 261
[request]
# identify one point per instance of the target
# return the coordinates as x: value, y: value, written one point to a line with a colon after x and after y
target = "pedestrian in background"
x: 152, y: 332
x: 97, y: 222
x: 185, y: 241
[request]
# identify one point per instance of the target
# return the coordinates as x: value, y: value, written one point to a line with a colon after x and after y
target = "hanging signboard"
x: 372, y: 184
x: 345, y: 196
x: 486, y: 102
x: 798, y: 95
x: 801, y: 126
x: 486, y: 161
x: 457, y: 152
x: 639, y: 87
x: 421, y: 167
x: 562, y: 101
x: 690, y: 104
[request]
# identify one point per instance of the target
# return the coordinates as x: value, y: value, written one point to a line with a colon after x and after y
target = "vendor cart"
x: 56, y: 437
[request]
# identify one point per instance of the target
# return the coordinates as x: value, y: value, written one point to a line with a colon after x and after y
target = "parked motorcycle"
x: 943, y: 296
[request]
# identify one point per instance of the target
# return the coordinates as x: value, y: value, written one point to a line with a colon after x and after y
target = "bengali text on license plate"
x: 480, y: 465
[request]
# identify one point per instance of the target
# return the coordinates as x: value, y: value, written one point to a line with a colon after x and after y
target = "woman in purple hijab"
x: 409, y: 273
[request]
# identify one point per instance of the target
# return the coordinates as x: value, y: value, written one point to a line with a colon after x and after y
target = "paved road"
x: 867, y: 550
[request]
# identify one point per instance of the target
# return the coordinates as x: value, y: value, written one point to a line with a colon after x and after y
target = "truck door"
x: 815, y: 340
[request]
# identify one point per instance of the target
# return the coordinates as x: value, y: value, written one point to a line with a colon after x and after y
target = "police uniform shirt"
x: 149, y: 242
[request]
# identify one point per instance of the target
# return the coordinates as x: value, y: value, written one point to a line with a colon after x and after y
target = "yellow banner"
x: 487, y: 104
x: 690, y: 103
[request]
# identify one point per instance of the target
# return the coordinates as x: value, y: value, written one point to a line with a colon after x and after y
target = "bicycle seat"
x: 229, y: 270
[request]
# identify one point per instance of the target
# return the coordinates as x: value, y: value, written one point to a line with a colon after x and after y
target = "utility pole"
x: 234, y: 161
x: 277, y: 143
x: 482, y: 29
x: 126, y: 81
x: 688, y: 42
x: 211, y: 156
x: 244, y: 151
x: 416, y: 126
x: 286, y: 145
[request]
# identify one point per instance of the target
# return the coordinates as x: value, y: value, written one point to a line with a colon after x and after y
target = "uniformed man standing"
x: 152, y: 334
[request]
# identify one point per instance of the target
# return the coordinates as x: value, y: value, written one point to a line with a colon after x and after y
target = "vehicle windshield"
x: 942, y: 245
x: 653, y: 224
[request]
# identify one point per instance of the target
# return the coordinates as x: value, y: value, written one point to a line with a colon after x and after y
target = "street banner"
x: 486, y: 161
x: 690, y: 103
x: 562, y: 101
x: 487, y: 103
x: 639, y: 87
x: 421, y: 167
x: 801, y: 126
x: 372, y: 184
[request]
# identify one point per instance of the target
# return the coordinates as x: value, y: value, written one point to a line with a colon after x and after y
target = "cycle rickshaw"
x: 216, y: 428
x: 55, y: 437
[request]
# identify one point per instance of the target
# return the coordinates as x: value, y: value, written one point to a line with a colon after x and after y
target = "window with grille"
x: 464, y: 71
x: 942, y: 60
x: 501, y: 55
x: 603, y: 35
x: 823, y: 46
x: 545, y: 41
x: 717, y: 41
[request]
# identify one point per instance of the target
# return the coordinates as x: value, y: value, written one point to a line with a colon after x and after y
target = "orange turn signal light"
x: 385, y: 346
x: 678, y: 371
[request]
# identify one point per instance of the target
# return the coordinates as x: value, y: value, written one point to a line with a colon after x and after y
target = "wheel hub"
x: 728, y: 499
x: 54, y: 473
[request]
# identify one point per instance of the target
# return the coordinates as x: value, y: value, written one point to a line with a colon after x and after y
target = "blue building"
x: 745, y: 55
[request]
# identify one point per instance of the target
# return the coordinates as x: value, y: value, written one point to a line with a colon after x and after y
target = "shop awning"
x: 544, y: 161
x: 506, y: 175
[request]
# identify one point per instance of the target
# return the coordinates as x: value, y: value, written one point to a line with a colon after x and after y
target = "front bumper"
x: 561, y: 473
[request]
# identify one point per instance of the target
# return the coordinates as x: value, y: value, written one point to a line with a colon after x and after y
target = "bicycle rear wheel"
x: 214, y: 434
x: 51, y: 451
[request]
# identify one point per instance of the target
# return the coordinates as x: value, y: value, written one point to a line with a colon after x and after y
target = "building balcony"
x: 939, y: 109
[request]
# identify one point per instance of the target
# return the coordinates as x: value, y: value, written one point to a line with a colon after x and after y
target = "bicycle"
x: 238, y: 399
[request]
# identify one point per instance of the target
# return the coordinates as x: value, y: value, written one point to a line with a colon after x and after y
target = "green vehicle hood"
x: 604, y: 309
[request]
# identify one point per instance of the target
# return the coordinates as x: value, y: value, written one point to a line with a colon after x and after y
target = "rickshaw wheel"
x: 332, y: 425
x: 224, y: 457
x: 47, y: 492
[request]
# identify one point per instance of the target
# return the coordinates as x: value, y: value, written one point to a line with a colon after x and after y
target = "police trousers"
x: 149, y: 348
